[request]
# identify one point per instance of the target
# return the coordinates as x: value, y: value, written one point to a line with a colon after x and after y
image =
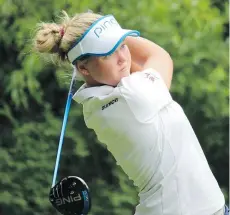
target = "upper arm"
x: 147, y: 54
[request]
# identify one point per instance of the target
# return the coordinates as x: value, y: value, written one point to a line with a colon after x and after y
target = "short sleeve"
x: 145, y: 93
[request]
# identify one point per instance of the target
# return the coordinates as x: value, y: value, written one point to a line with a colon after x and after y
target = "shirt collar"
x: 84, y: 92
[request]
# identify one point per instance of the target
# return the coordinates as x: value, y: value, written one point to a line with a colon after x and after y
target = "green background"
x: 33, y: 94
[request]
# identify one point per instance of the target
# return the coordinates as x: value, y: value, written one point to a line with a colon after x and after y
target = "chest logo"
x: 110, y: 103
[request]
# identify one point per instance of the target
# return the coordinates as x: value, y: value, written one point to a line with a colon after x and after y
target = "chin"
x: 116, y: 80
x: 125, y: 74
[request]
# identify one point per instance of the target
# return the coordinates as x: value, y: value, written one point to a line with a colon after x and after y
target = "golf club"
x: 71, y: 194
x: 66, y: 114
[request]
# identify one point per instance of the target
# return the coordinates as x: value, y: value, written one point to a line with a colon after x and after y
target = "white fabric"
x: 152, y: 140
x: 220, y: 212
x: 101, y: 39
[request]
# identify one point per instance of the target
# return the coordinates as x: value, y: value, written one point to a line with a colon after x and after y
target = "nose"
x: 121, y: 56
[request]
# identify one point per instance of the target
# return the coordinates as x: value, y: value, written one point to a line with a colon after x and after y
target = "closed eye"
x: 123, y: 46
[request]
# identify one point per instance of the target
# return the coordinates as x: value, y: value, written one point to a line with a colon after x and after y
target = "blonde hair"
x: 57, y: 38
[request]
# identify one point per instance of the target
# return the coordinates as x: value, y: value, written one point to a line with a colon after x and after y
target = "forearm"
x: 146, y: 54
x: 135, y: 67
x: 165, y: 68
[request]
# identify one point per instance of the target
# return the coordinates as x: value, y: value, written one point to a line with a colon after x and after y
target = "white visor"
x: 101, y: 39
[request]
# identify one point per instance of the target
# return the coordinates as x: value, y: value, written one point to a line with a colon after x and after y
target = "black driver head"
x: 71, y: 196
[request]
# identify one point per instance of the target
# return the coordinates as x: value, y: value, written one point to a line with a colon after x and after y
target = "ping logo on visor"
x: 106, y: 25
x: 101, y: 39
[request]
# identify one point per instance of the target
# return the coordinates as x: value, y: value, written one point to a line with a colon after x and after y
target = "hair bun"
x: 48, y: 38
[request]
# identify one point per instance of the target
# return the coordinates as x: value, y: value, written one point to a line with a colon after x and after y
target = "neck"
x: 90, y: 82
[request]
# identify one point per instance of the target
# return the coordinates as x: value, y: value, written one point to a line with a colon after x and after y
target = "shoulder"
x: 100, y: 104
x: 142, y: 77
x: 144, y: 83
x: 145, y: 93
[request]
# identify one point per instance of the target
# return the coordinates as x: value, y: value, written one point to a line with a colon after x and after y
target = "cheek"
x: 128, y: 54
x: 95, y: 69
x: 109, y: 72
x: 108, y: 66
x: 101, y: 71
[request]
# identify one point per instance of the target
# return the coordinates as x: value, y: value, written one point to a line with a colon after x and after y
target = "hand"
x: 71, y: 196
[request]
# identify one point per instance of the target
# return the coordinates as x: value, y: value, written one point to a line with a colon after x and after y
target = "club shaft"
x: 67, y: 108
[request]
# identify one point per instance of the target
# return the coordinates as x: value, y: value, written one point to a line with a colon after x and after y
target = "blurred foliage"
x: 33, y: 94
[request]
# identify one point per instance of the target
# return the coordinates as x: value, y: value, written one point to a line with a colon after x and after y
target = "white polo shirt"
x: 152, y: 140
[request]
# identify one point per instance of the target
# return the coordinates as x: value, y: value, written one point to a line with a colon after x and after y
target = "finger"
x: 61, y: 189
x: 57, y: 188
x: 54, y: 192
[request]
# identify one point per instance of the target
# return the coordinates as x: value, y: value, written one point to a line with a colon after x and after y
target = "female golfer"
x: 126, y: 101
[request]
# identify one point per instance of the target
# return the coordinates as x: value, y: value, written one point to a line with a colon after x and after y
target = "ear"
x: 81, y: 67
